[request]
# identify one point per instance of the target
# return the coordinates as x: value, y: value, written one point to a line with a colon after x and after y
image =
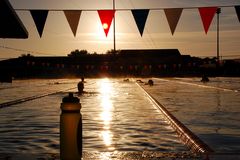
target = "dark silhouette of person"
x: 204, y: 78
x: 139, y: 81
x: 81, y: 86
x: 126, y: 80
x: 150, y: 82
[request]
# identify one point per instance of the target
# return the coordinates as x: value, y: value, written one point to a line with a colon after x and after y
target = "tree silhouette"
x: 78, y: 53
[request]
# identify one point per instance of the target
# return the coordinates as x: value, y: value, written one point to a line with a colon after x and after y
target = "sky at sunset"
x: 189, y: 36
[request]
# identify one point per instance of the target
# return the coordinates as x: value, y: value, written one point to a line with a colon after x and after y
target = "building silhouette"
x: 138, y: 63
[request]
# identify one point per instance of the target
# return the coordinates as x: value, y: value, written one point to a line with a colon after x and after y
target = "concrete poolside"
x: 145, y: 155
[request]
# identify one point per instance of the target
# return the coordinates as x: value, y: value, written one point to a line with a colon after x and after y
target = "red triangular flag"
x: 173, y: 16
x: 106, y: 17
x: 39, y: 17
x: 73, y: 20
x: 207, y: 14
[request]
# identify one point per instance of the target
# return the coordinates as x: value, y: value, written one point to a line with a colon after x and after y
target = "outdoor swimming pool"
x: 118, y: 116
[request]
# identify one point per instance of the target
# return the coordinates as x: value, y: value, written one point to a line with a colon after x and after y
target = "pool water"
x: 117, y: 116
x: 210, y: 110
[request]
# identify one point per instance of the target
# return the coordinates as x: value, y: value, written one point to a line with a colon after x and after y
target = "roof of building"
x: 152, y: 52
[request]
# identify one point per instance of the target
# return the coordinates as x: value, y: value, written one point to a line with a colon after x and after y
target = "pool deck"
x: 145, y: 155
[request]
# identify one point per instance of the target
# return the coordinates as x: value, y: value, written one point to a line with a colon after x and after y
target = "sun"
x: 105, y: 26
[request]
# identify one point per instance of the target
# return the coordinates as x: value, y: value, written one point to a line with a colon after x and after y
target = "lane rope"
x: 198, y: 85
x: 22, y: 100
x: 187, y: 136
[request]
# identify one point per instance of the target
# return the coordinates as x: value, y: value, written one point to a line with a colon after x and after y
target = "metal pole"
x: 218, y: 12
x: 114, y: 36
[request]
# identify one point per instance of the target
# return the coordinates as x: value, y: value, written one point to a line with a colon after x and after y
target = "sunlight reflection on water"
x: 106, y: 114
x: 125, y: 120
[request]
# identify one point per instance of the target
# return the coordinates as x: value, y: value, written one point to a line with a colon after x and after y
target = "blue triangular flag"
x: 237, y: 8
x: 39, y: 17
x: 140, y: 16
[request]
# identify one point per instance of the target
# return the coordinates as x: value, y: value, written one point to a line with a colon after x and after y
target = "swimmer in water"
x: 81, y: 86
x: 204, y: 78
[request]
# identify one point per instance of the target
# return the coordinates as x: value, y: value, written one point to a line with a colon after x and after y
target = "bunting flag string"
x: 73, y: 19
x: 173, y: 16
x: 140, y: 16
x: 39, y: 17
x: 237, y: 8
x: 207, y: 14
x: 106, y: 17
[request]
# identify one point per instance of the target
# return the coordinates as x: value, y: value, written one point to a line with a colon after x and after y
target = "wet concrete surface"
x: 145, y: 155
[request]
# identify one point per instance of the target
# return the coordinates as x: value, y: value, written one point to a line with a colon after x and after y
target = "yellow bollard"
x: 70, y: 129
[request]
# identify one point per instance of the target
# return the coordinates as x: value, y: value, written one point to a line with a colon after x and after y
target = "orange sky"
x: 189, y: 36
